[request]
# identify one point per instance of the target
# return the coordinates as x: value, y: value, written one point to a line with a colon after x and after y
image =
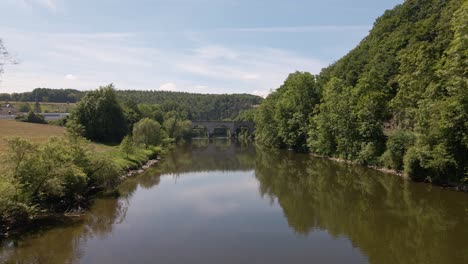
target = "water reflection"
x: 219, y: 155
x: 390, y: 219
x: 64, y: 243
x: 227, y: 202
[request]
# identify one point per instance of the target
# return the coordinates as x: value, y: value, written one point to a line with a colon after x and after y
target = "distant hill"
x: 195, y: 106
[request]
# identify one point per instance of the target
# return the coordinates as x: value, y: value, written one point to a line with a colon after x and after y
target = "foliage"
x: 397, y: 145
x: 406, y: 79
x: 152, y: 111
x: 247, y: 115
x: 282, y: 119
x: 126, y: 146
x: 154, y: 104
x: 147, y: 132
x: 32, y: 117
x: 101, y: 115
x: 194, y: 106
x: 46, y: 95
x: 178, y: 129
x: 131, y: 112
x: 51, y: 177
x: 24, y: 107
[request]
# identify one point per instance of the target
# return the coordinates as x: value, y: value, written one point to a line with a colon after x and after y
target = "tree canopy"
x: 399, y: 99
x: 190, y: 106
x: 101, y: 115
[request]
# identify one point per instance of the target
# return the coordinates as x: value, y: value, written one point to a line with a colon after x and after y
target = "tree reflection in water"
x: 390, y: 219
x: 64, y: 244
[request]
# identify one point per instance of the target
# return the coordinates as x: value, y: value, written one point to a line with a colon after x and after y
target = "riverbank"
x: 45, y: 220
x: 47, y: 174
x: 450, y: 186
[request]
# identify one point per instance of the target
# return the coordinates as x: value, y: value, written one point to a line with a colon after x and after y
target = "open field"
x: 40, y: 133
x: 46, y: 107
x: 37, y: 133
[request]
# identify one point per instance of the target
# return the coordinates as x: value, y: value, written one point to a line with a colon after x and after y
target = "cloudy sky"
x: 207, y: 46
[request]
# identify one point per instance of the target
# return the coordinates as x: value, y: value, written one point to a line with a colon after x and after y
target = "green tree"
x: 400, y: 98
x: 126, y: 146
x: 101, y: 115
x: 32, y: 117
x: 147, y: 132
x: 283, y: 118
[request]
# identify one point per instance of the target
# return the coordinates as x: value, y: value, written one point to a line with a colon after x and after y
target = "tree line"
x: 65, y: 172
x: 399, y: 99
x: 192, y: 106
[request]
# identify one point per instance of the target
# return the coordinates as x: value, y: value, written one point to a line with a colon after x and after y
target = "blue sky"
x: 206, y: 46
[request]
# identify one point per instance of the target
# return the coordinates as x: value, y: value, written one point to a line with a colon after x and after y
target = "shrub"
x: 32, y: 117
x: 413, y: 164
x: 147, y: 132
x: 126, y: 146
x: 103, y: 174
x: 397, y: 145
x: 367, y: 155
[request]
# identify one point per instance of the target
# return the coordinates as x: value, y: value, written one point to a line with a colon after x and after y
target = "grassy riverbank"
x: 45, y: 171
x: 40, y: 133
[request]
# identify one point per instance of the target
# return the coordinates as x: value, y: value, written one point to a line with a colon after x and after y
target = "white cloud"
x: 131, y: 62
x: 168, y: 87
x: 70, y: 77
x: 259, y: 68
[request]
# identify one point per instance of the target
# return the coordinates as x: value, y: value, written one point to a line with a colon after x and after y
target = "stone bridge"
x: 233, y: 127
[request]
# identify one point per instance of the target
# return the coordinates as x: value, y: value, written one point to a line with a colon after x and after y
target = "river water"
x: 225, y: 202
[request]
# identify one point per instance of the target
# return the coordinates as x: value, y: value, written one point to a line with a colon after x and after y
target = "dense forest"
x: 399, y: 99
x: 192, y: 106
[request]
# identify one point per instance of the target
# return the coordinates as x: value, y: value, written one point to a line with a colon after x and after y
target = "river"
x: 225, y: 202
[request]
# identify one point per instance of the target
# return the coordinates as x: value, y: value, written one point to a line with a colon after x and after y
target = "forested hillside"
x: 196, y: 106
x: 399, y: 99
x: 192, y: 106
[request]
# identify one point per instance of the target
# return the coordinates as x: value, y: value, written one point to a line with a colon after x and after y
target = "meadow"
x: 40, y: 133
x: 46, y: 107
x: 36, y: 133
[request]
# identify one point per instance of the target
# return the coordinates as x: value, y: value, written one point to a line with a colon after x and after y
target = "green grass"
x: 134, y: 160
x: 36, y: 133
x: 39, y: 133
x: 46, y: 107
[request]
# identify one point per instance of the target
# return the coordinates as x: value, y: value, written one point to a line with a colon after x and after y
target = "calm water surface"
x: 228, y: 203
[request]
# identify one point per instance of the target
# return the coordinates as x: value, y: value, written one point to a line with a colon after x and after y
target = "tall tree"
x: 101, y: 115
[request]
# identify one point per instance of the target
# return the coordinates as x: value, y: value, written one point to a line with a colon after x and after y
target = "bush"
x: 13, y: 210
x: 31, y: 117
x: 126, y: 146
x: 397, y: 145
x: 147, y: 132
x: 413, y: 164
x: 367, y: 155
x: 103, y: 174
x: 58, y: 174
